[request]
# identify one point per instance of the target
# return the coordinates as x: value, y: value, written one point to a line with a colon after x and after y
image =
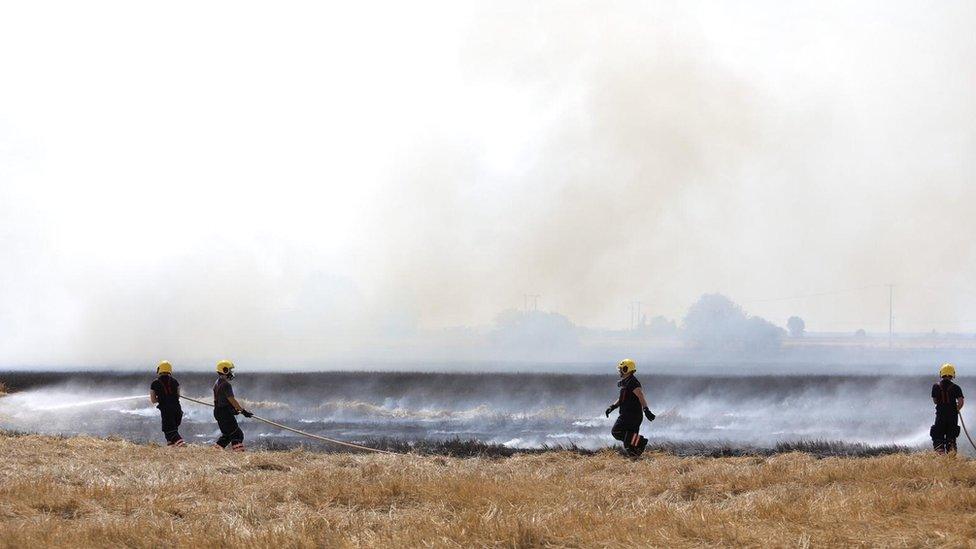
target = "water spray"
x: 303, y: 433
x: 87, y: 403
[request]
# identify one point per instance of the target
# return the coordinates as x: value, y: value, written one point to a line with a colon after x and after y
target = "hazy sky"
x: 293, y: 178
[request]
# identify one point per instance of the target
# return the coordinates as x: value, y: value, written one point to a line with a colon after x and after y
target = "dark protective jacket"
x: 167, y: 392
x: 221, y: 390
x: 629, y: 403
x: 945, y: 394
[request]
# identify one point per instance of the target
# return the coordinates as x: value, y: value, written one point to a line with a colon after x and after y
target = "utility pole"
x: 891, y: 316
x: 635, y: 312
x: 535, y: 301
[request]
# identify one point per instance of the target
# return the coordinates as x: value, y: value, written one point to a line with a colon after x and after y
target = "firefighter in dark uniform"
x: 632, y: 403
x: 226, y: 407
x: 165, y: 394
x: 948, y: 402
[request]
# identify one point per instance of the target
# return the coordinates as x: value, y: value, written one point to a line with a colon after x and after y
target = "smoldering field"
x: 93, y: 492
x: 505, y: 412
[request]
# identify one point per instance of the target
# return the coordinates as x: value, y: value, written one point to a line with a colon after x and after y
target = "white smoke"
x: 313, y: 182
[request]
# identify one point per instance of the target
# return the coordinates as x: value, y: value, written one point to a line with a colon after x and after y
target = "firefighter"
x: 226, y: 407
x: 948, y: 400
x: 631, y: 403
x: 164, y: 392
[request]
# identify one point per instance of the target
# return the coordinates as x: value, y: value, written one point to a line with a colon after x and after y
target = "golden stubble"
x: 96, y: 493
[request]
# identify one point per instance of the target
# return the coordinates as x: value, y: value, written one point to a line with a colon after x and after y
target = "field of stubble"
x: 108, y: 493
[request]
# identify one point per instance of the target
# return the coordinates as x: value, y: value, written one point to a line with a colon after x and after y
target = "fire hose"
x: 303, y: 433
x: 966, y: 431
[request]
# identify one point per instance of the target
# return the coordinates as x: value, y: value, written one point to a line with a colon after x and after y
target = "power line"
x: 818, y: 294
x: 636, y: 306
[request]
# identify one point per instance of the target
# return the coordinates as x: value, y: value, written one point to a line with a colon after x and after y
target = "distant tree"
x: 661, y: 327
x: 796, y: 326
x: 716, y: 322
x: 860, y: 333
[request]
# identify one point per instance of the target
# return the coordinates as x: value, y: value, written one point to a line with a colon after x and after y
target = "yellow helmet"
x: 225, y: 367
x: 626, y: 367
x: 947, y: 369
x: 164, y: 367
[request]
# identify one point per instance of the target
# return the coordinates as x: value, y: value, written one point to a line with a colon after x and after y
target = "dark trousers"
x: 230, y: 431
x: 944, y: 434
x: 172, y: 417
x: 626, y: 429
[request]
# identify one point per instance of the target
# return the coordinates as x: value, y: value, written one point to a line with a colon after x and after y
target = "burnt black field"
x: 497, y: 414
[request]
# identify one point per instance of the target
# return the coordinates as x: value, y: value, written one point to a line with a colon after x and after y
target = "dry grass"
x: 90, y: 492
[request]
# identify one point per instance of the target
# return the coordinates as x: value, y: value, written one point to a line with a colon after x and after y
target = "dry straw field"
x: 108, y: 493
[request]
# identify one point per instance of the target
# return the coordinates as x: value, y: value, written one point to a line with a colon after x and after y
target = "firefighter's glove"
x: 245, y: 413
x: 611, y: 408
x: 649, y: 414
